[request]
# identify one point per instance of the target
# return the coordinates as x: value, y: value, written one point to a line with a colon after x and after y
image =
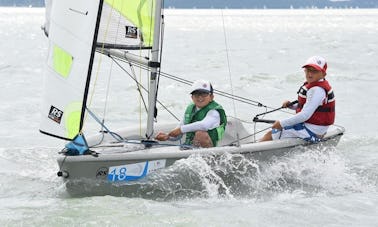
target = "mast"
x: 155, y: 64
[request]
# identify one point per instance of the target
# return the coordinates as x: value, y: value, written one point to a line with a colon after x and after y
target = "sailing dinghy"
x: 84, y: 35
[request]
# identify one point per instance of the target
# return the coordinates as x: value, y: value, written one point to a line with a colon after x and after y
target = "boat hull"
x: 119, y: 169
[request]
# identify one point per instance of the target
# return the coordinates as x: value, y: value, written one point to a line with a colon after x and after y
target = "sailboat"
x: 82, y: 36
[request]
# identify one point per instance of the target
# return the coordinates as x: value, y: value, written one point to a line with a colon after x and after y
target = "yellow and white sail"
x: 77, y: 28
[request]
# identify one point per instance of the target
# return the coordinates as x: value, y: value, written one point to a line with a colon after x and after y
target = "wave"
x: 302, y: 172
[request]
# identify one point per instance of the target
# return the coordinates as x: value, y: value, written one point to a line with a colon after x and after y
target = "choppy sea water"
x: 265, y: 49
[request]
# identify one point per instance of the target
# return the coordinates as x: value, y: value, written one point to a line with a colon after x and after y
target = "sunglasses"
x: 200, y: 94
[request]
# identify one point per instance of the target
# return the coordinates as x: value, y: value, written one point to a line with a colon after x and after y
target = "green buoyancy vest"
x: 191, y: 115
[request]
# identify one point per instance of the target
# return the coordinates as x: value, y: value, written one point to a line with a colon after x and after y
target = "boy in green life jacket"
x: 204, y: 121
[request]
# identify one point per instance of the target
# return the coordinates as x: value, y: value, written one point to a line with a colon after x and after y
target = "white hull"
x: 119, y: 163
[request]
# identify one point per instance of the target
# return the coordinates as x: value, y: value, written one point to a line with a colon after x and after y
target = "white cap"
x: 202, y: 86
x: 317, y: 62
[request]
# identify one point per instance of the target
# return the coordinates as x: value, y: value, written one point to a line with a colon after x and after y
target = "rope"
x: 120, y: 139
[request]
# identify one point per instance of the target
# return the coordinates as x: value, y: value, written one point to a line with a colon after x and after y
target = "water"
x: 266, y: 49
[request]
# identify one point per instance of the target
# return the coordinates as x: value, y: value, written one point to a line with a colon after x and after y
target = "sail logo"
x: 55, y: 114
x: 131, y: 32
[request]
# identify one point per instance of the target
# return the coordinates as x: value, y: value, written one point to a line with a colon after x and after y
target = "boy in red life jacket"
x: 315, y: 110
x: 204, y: 122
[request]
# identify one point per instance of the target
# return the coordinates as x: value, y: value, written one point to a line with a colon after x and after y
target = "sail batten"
x: 121, y: 46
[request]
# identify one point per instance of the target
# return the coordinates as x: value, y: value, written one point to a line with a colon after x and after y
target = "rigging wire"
x: 189, y: 82
x: 98, y: 70
x: 229, y: 74
x: 111, y: 66
x: 145, y: 89
x: 138, y: 83
x: 250, y: 135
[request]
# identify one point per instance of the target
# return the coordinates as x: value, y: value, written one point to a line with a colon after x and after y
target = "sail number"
x: 118, y: 174
x: 134, y: 171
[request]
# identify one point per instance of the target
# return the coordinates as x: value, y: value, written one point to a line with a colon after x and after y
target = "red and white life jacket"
x: 324, y: 114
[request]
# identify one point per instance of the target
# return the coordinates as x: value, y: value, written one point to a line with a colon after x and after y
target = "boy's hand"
x: 175, y: 132
x: 286, y: 104
x: 162, y: 136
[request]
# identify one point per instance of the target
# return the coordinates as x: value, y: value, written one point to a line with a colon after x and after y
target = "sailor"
x: 315, y: 110
x: 204, y: 122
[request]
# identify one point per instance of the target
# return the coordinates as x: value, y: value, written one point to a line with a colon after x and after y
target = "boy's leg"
x: 202, y: 139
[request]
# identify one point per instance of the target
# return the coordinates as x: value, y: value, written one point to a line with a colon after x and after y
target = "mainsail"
x: 77, y: 30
